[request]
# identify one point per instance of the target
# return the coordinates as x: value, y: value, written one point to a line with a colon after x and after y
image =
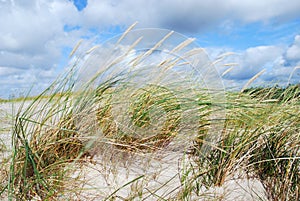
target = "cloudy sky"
x: 37, y: 36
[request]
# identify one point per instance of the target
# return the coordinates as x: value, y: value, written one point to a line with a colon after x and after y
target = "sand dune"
x: 125, y: 175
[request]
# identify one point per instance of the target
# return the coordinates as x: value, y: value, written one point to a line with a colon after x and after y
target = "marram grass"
x: 62, y: 129
x: 259, y: 140
x: 141, y: 111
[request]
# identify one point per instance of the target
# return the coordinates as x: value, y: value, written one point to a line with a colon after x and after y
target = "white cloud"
x: 31, y: 40
x: 293, y: 53
x: 273, y: 59
x: 6, y: 71
x: 16, y: 81
x: 253, y: 60
x: 186, y: 16
x: 32, y: 34
x: 251, y: 11
x: 34, y: 29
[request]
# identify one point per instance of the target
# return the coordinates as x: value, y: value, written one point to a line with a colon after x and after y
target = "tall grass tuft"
x: 259, y: 142
x: 274, y: 158
x: 45, y: 142
x: 120, y: 116
x: 64, y: 127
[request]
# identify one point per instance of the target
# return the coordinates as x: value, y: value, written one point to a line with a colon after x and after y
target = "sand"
x: 151, y: 175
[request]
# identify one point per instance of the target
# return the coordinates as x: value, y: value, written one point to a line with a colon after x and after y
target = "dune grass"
x: 56, y: 136
x: 260, y: 140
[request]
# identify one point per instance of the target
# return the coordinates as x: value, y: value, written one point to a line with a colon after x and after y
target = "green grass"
x: 254, y: 135
x: 260, y: 140
x: 18, y: 99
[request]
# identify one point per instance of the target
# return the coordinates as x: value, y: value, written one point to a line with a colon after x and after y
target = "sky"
x: 37, y: 36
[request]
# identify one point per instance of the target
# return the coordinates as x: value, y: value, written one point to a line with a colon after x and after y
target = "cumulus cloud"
x: 187, y: 16
x: 253, y: 60
x: 280, y: 63
x: 32, y: 37
x: 34, y: 34
x: 32, y: 28
x: 293, y: 53
x: 17, y: 81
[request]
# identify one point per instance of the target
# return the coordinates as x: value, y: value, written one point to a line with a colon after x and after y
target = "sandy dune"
x: 155, y: 176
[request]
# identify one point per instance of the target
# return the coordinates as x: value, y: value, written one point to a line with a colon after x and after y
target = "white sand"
x: 159, y: 174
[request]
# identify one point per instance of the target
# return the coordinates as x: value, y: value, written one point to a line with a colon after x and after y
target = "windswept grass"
x: 142, y: 110
x: 260, y: 141
x: 44, y: 142
x: 121, y: 118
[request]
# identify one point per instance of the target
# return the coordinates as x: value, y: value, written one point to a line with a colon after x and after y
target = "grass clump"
x: 64, y: 125
x: 142, y: 109
x: 260, y: 142
x: 287, y: 94
x: 45, y: 144
x: 275, y: 158
x: 115, y: 115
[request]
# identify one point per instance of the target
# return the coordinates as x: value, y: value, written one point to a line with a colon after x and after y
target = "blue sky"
x: 37, y: 36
